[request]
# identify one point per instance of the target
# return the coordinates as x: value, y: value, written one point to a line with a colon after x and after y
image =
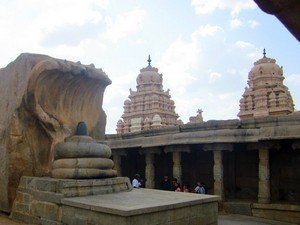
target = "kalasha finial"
x: 149, y: 60
x: 264, y: 53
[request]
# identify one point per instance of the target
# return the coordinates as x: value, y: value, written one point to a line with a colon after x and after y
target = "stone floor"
x: 227, y: 219
x: 235, y: 219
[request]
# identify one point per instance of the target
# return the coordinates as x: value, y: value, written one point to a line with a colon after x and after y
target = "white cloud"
x: 214, y: 76
x: 124, y: 24
x: 235, y: 23
x: 253, y: 23
x: 293, y: 79
x: 208, y: 31
x: 235, y: 6
x: 244, y: 44
x: 177, y: 61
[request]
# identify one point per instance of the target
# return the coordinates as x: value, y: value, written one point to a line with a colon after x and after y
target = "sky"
x: 204, y: 49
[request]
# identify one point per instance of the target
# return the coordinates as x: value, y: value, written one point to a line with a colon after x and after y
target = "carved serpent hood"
x: 43, y: 99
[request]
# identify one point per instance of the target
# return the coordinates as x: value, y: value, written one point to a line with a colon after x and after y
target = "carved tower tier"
x: 149, y: 106
x: 266, y: 94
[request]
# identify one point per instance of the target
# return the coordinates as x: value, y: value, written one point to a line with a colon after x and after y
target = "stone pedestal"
x: 218, y: 174
x: 39, y: 199
x: 150, y: 170
x: 142, y: 207
x: 264, y: 176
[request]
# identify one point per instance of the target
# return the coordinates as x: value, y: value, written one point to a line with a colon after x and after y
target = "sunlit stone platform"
x: 48, y: 201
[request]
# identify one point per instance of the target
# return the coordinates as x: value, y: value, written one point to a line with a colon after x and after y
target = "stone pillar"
x: 177, y: 165
x: 176, y: 153
x: 149, y: 171
x: 218, y: 174
x: 264, y: 176
x: 117, y: 154
x: 217, y: 149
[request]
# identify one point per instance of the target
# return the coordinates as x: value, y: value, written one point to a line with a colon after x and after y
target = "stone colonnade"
x: 263, y: 148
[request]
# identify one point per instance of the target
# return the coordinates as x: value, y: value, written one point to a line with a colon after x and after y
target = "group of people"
x: 167, y: 185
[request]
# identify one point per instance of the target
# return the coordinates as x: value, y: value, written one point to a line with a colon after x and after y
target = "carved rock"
x: 42, y: 100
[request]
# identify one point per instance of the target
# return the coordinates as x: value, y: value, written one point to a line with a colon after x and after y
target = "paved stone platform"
x: 141, y: 206
x: 138, y: 201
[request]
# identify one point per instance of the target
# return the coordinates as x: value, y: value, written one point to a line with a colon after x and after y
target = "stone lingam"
x: 82, y: 157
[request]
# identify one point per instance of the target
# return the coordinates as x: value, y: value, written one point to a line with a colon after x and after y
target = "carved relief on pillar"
x: 150, y: 169
x: 264, y: 192
x: 177, y: 150
x: 218, y: 174
x: 218, y: 149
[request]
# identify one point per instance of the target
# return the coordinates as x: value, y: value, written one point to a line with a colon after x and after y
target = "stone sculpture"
x: 81, y: 157
x: 42, y: 100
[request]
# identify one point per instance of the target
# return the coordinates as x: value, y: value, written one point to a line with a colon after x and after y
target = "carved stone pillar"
x: 264, y: 192
x: 177, y: 172
x: 264, y: 176
x: 150, y: 170
x: 218, y: 149
x: 218, y: 174
x: 176, y: 152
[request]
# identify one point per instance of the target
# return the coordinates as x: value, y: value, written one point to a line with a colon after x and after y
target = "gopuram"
x: 56, y: 168
x: 252, y: 163
x: 149, y: 107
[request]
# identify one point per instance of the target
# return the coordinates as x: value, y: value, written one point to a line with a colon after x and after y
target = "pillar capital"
x: 218, y: 147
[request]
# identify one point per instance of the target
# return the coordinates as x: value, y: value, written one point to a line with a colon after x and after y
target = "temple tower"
x: 149, y: 106
x: 266, y: 94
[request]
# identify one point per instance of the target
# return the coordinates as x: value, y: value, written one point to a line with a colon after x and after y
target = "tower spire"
x: 149, y: 60
x: 264, y: 53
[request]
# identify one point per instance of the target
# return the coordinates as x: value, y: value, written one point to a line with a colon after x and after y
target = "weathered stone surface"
x: 100, y: 163
x: 159, y: 207
x: 81, y: 149
x: 243, y: 208
x: 38, y: 200
x: 82, y: 173
x: 42, y: 100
